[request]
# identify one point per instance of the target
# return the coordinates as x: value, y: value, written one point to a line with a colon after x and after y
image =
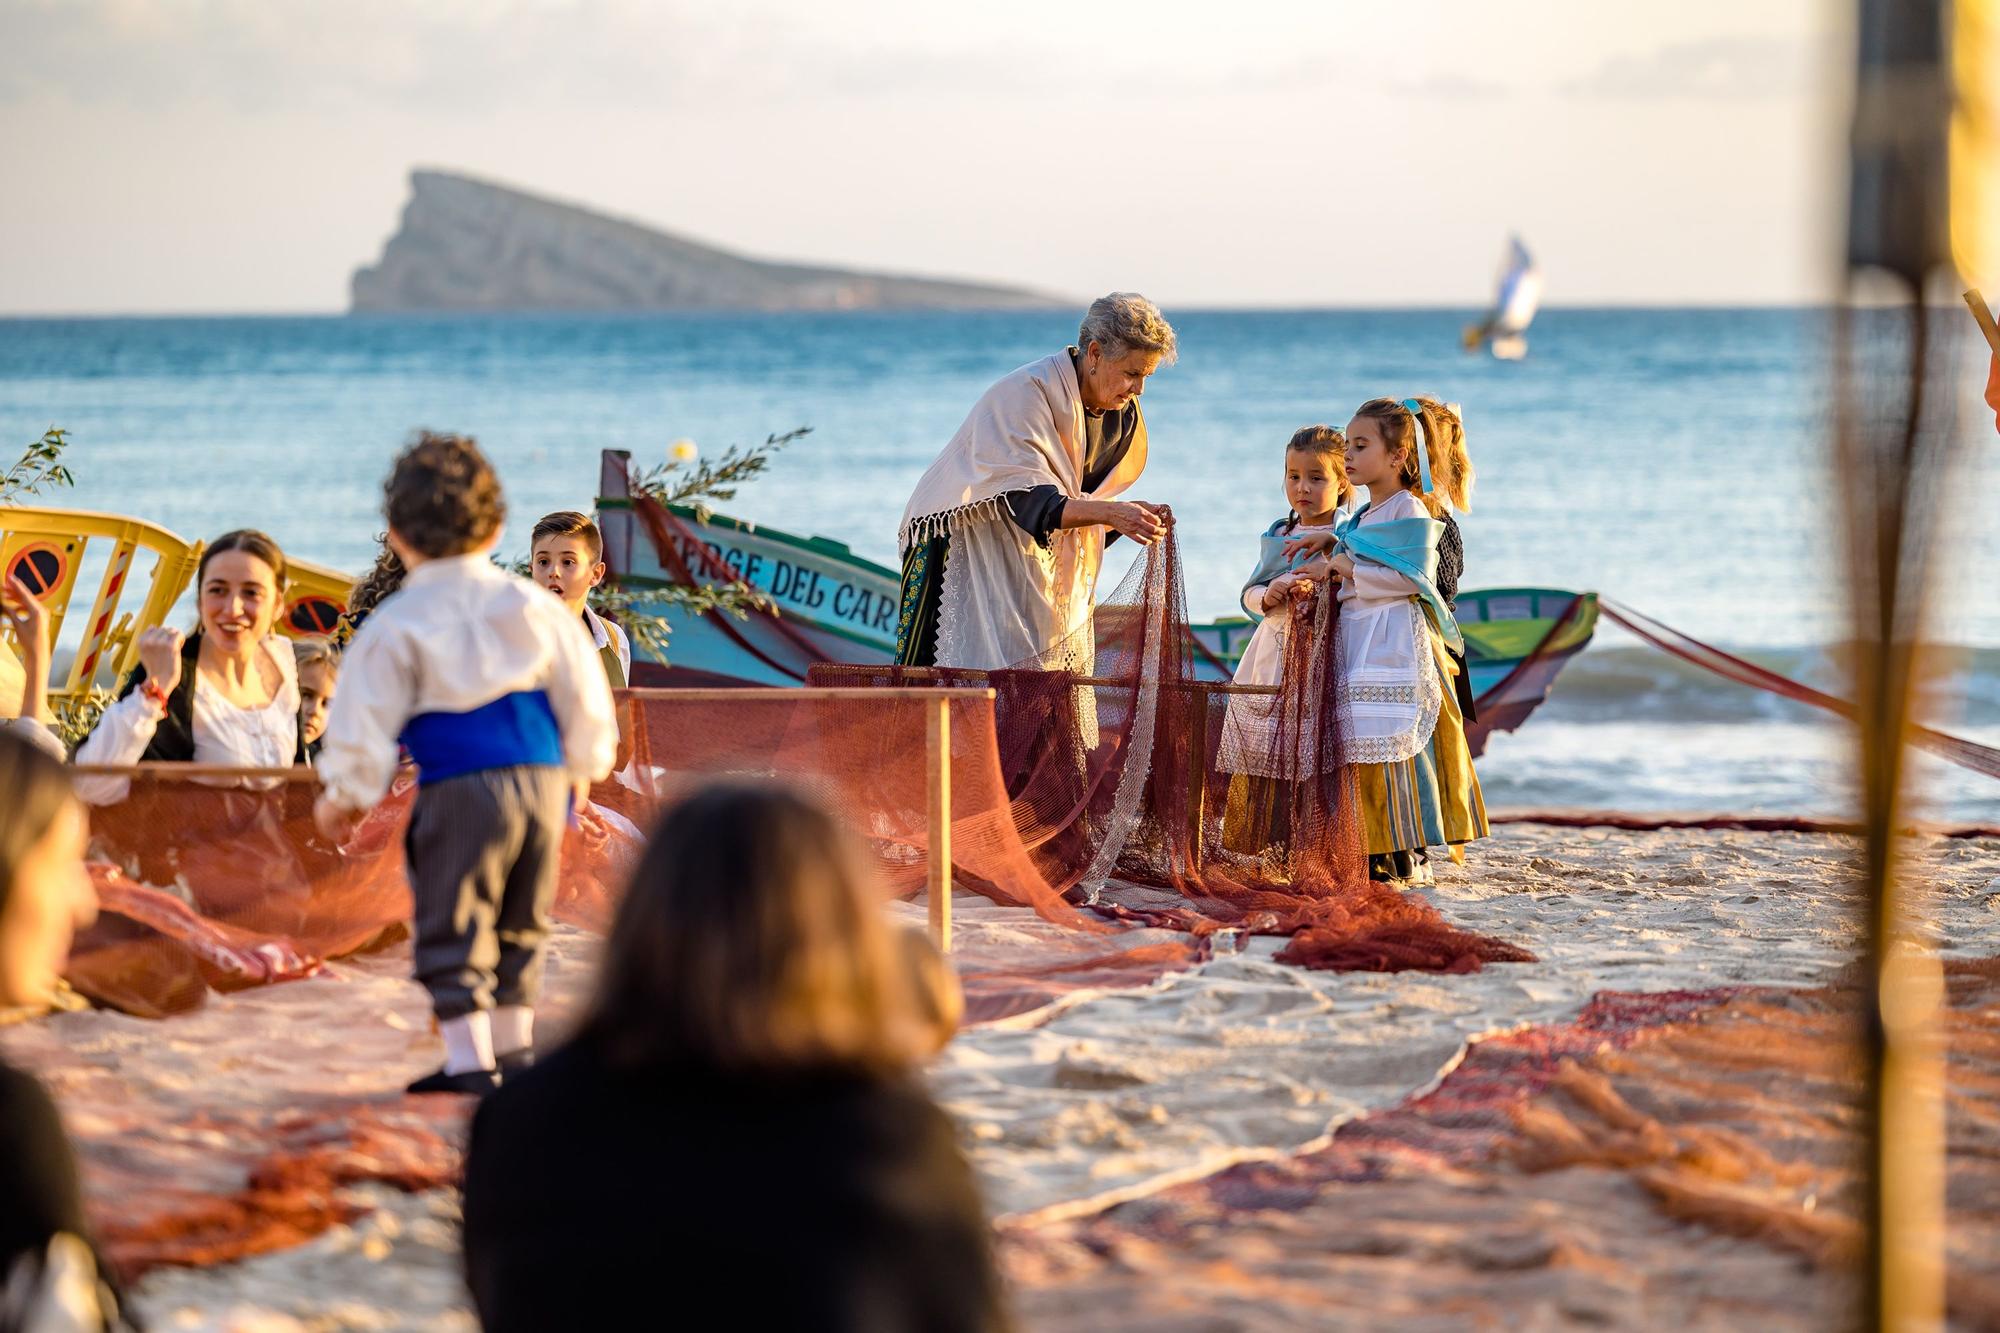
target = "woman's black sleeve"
x: 1037, y: 511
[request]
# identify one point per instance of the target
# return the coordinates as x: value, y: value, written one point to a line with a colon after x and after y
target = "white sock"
x: 468, y: 1042
x: 513, y: 1028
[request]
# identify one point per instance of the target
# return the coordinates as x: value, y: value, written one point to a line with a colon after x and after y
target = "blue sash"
x: 514, y: 731
x: 1410, y: 547
x: 1271, y: 558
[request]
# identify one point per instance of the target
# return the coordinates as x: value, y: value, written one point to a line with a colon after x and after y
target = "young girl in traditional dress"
x: 1256, y: 816
x: 1403, y: 727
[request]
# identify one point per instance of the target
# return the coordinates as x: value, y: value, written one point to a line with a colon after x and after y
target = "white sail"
x: 1515, y: 302
x: 1520, y: 291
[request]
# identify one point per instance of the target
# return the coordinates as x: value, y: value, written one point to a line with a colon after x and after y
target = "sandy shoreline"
x: 1106, y: 1095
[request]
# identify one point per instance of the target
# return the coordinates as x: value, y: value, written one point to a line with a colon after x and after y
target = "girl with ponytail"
x: 1401, y: 656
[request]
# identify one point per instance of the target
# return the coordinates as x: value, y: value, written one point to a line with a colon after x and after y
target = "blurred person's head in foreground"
x: 939, y: 1000
x: 753, y: 938
x: 45, y: 893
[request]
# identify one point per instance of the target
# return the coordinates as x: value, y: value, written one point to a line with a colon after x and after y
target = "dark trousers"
x: 483, y: 851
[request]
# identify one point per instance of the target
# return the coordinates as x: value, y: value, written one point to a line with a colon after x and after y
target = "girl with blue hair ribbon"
x: 1401, y: 655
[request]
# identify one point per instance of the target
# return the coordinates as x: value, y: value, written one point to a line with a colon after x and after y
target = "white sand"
x: 1107, y: 1094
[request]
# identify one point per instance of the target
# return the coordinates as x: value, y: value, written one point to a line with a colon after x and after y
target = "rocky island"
x: 466, y: 244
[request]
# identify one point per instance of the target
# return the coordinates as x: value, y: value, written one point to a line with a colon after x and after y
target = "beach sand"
x: 1103, y: 1096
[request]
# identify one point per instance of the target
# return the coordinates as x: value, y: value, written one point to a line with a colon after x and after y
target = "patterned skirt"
x: 1257, y: 815
x: 1431, y: 799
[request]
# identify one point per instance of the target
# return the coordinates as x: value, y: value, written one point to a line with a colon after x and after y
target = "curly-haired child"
x: 503, y: 706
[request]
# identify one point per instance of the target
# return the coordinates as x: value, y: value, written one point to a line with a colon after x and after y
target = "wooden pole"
x: 1893, y: 443
x: 937, y: 751
x: 1984, y: 314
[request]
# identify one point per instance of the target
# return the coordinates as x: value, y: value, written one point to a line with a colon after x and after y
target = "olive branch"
x: 698, y: 487
x: 40, y: 465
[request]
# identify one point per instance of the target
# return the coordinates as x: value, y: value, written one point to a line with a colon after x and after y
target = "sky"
x: 219, y: 156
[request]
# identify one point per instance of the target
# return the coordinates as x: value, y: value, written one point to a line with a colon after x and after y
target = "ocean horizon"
x: 1467, y: 312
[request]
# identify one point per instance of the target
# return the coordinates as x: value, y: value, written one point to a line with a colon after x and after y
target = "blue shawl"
x: 1410, y: 547
x: 1271, y: 561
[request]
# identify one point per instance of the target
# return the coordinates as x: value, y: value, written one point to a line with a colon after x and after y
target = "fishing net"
x: 1596, y: 1162
x: 1142, y: 791
x: 207, y: 884
x: 1088, y: 799
x: 1093, y: 800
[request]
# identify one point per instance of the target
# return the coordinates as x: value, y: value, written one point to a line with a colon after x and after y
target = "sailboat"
x: 1519, y: 295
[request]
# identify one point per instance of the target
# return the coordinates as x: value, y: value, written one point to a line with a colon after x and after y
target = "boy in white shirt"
x: 566, y: 556
x: 506, y: 711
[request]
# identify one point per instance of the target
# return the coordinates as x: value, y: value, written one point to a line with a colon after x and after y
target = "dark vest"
x: 173, y: 740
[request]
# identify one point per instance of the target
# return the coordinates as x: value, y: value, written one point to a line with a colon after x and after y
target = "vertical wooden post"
x: 1197, y: 814
x: 937, y: 753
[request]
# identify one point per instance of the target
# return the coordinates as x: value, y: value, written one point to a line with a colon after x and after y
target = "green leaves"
x: 76, y: 715
x: 698, y: 488
x: 40, y: 465
x: 705, y: 482
x: 642, y: 613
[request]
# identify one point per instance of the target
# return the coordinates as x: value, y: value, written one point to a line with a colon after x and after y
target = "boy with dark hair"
x: 567, y: 558
x: 505, y: 710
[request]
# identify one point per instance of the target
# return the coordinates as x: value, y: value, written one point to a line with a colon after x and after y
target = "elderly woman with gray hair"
x: 1003, y: 536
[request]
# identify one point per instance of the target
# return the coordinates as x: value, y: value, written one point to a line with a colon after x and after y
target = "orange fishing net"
x: 1551, y: 1179
x: 1138, y: 788
x: 1122, y: 789
x: 1097, y: 798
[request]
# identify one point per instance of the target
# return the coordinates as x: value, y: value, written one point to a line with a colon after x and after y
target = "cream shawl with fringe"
x: 1008, y: 601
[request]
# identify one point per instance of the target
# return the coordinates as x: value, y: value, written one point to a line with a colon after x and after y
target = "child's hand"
x: 1320, y: 543
x: 1317, y: 570
x: 336, y: 822
x: 1277, y: 592
x: 29, y: 620
x: 1342, y: 566
x: 26, y: 616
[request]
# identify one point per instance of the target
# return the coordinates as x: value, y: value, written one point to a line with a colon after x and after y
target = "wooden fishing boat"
x: 831, y: 605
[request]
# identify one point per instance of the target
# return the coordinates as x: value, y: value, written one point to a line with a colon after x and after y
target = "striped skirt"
x: 1432, y: 798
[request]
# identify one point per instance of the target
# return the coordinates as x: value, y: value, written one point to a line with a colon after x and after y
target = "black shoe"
x: 514, y: 1062
x: 478, y: 1082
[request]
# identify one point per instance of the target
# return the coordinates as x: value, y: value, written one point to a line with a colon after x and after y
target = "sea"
x: 1674, y: 460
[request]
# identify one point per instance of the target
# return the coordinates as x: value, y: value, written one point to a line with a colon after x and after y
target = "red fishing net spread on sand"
x: 1579, y: 1172
x: 1095, y: 796
x: 1105, y: 784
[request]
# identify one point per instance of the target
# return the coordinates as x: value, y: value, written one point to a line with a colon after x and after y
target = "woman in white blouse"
x: 228, y: 694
